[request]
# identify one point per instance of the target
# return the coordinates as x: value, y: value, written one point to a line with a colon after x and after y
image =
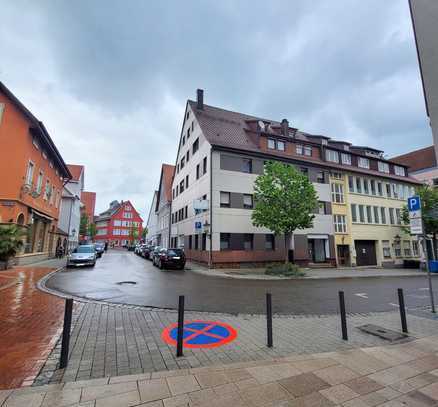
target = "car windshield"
x: 84, y: 249
x: 175, y: 252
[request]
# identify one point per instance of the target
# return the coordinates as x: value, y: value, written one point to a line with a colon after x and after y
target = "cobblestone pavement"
x: 392, y: 376
x: 30, y: 323
x: 118, y: 340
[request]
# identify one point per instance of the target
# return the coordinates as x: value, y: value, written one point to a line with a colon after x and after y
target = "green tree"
x: 133, y: 234
x: 83, y: 226
x: 144, y: 232
x: 285, y: 200
x: 429, y: 211
x: 92, y: 230
x: 11, y: 241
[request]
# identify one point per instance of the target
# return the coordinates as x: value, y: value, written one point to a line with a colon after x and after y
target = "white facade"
x: 152, y: 223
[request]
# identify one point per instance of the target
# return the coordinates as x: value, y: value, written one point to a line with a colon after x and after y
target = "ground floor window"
x: 204, y: 241
x: 225, y: 241
x: 196, y: 242
x: 248, y: 241
x: 397, y: 248
x: 407, y: 248
x: 269, y: 242
x: 190, y: 242
x: 386, y: 249
x: 415, y: 248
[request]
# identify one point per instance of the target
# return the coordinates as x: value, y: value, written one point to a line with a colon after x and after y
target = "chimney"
x: 200, y: 99
x: 285, y: 127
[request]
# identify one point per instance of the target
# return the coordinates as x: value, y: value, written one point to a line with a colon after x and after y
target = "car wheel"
x: 160, y: 265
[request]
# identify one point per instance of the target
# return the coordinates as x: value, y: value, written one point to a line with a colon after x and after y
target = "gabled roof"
x: 37, y: 127
x: 114, y: 207
x: 166, y: 179
x: 76, y: 171
x: 418, y: 160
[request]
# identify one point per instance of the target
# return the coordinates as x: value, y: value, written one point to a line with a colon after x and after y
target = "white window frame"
x: 29, y: 172
x: 340, y: 223
x: 337, y: 193
x: 271, y: 143
x: 281, y: 142
x: 399, y: 171
x: 227, y: 202
x: 363, y: 162
x: 39, y: 185
x: 307, y: 150
x: 332, y: 156
x: 346, y: 159
x: 383, y: 167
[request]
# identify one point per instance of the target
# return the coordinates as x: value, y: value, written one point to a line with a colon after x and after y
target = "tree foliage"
x: 83, y: 226
x: 11, y: 241
x: 92, y: 230
x: 285, y: 200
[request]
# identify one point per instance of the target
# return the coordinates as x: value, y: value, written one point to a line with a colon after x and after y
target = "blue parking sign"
x: 414, y: 203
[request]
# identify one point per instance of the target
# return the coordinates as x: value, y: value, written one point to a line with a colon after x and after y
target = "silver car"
x: 84, y: 255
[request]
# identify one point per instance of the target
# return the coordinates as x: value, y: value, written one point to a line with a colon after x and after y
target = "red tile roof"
x: 167, y: 171
x: 76, y: 171
x: 418, y: 159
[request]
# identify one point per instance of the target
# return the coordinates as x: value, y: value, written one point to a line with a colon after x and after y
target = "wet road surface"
x: 157, y: 288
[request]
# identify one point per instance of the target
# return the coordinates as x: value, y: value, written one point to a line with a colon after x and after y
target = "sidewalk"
x: 390, y: 376
x: 30, y: 324
x: 311, y: 273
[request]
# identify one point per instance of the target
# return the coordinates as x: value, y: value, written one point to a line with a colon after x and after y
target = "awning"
x: 41, y: 215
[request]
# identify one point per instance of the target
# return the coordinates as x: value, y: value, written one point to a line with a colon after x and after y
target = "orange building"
x: 32, y: 175
x: 88, y: 200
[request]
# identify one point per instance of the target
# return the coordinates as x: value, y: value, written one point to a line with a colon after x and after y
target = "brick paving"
x: 30, y: 325
x: 117, y: 340
x: 387, y: 376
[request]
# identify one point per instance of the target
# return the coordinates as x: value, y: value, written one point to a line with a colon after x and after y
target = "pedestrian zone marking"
x: 362, y: 295
x: 200, y: 334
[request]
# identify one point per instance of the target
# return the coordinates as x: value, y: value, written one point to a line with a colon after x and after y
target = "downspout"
x: 210, y: 263
x: 170, y: 224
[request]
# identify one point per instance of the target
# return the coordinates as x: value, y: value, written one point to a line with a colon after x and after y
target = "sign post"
x: 417, y: 228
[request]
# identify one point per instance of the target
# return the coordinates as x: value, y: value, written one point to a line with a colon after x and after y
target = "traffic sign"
x: 416, y: 226
x: 198, y: 225
x: 200, y: 334
x: 414, y: 203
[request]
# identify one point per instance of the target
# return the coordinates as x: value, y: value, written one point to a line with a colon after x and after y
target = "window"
x: 304, y: 150
x: 197, y: 241
x: 394, y: 191
x: 197, y: 171
x: 379, y: 189
x: 271, y: 143
x: 337, y: 193
x: 332, y: 155
x: 173, y: 193
x: 340, y: 223
x: 383, y: 215
x: 225, y: 199
x: 225, y: 241
x: 308, y: 151
x: 397, y: 248
x: 204, y: 241
x: 365, y: 186
x: 350, y: 183
x: 388, y: 190
x: 248, y: 241
x: 29, y: 173
x: 346, y: 158
x: 181, y: 187
x: 177, y: 187
x: 399, y: 170
x: 184, y: 140
x: 183, y: 161
x: 386, y: 249
x: 39, y: 182
x: 407, y: 248
x: 193, y: 125
x: 400, y: 192
x: 185, y: 212
x: 52, y: 195
x: 247, y: 201
x: 353, y: 213
x: 320, y: 177
x: 383, y: 167
x: 373, y: 187
x: 47, y: 190
x: 116, y: 232
x: 391, y: 216
x: 187, y: 156
x: 415, y: 248
x: 369, y: 214
x: 187, y: 181
x: 117, y: 223
x: 269, y: 242
x: 190, y: 241
x: 247, y: 165
x: 336, y: 175
x: 204, y: 166
x: 299, y: 149
x: 398, y: 216
x: 359, y: 185
x: 280, y: 145
x: 322, y: 208
x: 361, y: 214
x: 195, y: 146
x: 188, y: 133
x: 363, y: 162
x: 376, y: 214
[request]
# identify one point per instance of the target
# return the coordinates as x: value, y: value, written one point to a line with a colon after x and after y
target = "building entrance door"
x: 365, y: 253
x: 343, y: 254
x: 317, y: 252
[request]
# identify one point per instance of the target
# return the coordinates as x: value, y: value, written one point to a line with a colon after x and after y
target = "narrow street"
x: 121, y: 277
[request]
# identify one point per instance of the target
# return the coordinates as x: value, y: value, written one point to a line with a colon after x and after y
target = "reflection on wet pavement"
x: 30, y: 324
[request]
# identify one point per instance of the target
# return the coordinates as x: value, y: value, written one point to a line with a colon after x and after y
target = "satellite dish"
x: 261, y: 125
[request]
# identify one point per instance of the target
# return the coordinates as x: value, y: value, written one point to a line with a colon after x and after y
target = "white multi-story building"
x: 152, y: 223
x: 163, y: 203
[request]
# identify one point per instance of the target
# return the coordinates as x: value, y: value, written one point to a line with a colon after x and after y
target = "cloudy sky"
x: 110, y: 78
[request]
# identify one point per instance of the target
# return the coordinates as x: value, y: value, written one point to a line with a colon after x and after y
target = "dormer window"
x: 399, y: 170
x: 324, y: 142
x: 363, y: 162
x: 346, y: 159
x: 346, y: 147
x: 271, y: 143
x: 383, y: 167
x: 280, y: 145
x: 332, y: 156
x: 276, y: 144
x: 303, y: 150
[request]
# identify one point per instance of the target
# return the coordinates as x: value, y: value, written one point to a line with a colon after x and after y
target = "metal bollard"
x: 269, y: 318
x: 180, y: 334
x: 401, y: 305
x: 66, y: 333
x: 343, y: 316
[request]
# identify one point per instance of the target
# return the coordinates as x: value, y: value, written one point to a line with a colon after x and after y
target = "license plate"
x: 176, y: 258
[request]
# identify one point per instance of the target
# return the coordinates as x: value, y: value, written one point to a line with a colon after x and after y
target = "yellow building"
x: 366, y: 214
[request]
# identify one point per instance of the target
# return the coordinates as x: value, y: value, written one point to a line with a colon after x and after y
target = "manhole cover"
x: 383, y: 333
x: 127, y: 282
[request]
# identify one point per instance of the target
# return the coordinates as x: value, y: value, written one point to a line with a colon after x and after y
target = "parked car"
x: 130, y: 248
x: 153, y: 255
x: 100, y: 249
x: 170, y: 258
x: 83, y: 255
x: 146, y: 250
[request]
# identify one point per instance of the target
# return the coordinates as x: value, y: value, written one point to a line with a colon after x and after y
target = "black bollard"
x: 66, y: 333
x: 269, y: 318
x: 401, y: 305
x: 343, y: 316
x: 180, y: 334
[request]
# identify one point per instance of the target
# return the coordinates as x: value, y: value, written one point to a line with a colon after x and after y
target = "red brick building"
x: 119, y: 225
x: 88, y: 200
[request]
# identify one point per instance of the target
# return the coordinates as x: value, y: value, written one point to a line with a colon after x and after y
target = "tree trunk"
x: 287, y: 238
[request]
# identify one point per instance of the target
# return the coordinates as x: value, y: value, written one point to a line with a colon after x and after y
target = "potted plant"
x: 10, y: 243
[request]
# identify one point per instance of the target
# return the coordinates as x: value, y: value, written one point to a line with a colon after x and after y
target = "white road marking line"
x: 424, y: 289
x: 394, y: 305
x: 362, y: 295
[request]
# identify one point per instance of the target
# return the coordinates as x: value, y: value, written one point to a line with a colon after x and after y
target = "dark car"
x: 154, y: 253
x: 145, y: 251
x: 100, y: 249
x: 170, y: 258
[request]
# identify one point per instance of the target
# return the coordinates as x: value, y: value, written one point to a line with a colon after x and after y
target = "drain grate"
x: 126, y: 282
x: 383, y: 333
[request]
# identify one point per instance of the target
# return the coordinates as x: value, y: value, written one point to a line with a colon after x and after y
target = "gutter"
x: 210, y: 253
